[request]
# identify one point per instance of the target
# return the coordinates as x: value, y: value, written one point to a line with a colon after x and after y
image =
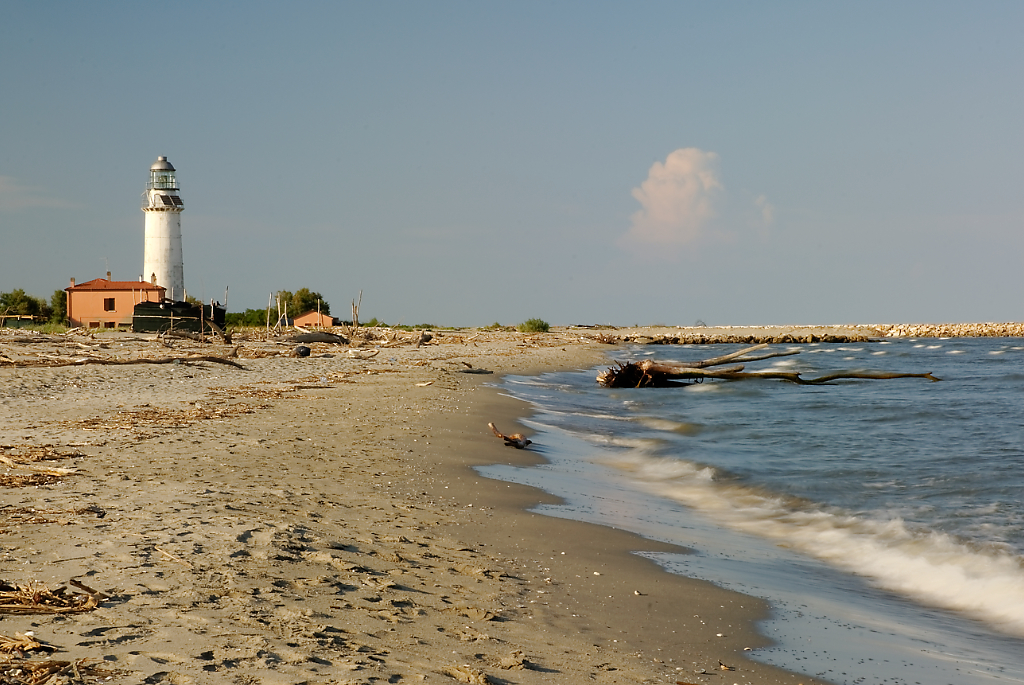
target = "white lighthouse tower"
x: 162, y: 262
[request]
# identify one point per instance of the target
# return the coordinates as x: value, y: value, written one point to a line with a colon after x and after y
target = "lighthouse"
x: 162, y: 262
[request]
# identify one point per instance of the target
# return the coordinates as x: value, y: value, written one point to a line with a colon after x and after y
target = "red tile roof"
x: 104, y: 284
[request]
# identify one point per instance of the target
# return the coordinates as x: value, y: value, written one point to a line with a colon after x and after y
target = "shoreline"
x: 318, y: 521
x: 679, y: 625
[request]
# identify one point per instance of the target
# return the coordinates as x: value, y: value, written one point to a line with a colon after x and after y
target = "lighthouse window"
x: 108, y: 304
x: 162, y: 180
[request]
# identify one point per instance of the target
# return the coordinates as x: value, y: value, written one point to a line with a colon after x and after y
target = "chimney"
x: 108, y: 275
x: 72, y: 281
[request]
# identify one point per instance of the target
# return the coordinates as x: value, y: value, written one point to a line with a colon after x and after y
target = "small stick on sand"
x: 171, y: 556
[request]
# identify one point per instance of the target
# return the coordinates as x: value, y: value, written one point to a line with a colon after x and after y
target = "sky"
x: 466, y: 163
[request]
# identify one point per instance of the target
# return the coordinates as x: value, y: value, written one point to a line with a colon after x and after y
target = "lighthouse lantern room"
x: 162, y: 206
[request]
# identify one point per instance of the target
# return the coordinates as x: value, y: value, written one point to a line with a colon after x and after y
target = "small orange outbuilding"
x: 103, y: 303
x: 313, y: 319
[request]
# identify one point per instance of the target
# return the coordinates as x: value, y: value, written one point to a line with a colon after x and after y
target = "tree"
x: 305, y: 301
x: 59, y: 307
x: 18, y: 302
x: 301, y: 301
x: 284, y: 300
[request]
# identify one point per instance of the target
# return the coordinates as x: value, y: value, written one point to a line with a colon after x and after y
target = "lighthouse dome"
x: 161, y: 164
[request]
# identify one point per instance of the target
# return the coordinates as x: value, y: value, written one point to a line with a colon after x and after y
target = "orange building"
x: 313, y: 319
x: 103, y: 303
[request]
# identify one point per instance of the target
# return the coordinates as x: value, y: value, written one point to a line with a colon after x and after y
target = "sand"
x: 317, y: 520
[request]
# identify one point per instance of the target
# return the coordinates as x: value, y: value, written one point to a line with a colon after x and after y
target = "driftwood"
x: 26, y: 339
x: 316, y: 337
x: 515, y: 440
x: 160, y: 360
x: 660, y: 374
x: 188, y: 335
x: 355, y: 310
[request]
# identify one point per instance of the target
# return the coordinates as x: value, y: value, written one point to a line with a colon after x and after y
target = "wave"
x: 930, y: 567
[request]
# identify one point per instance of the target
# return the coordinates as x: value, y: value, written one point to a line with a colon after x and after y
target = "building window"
x: 108, y: 304
x: 94, y: 324
x: 109, y: 324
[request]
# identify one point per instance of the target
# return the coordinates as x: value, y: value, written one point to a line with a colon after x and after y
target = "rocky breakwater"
x: 951, y: 330
x: 754, y: 335
x: 750, y: 335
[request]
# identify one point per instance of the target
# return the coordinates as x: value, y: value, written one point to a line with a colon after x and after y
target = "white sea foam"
x: 637, y: 445
x: 706, y: 387
x: 671, y: 426
x: 592, y: 415
x: 933, y: 568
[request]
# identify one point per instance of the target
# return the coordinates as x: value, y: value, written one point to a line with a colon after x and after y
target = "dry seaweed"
x: 28, y: 480
x: 250, y: 392
x: 39, y: 672
x: 31, y: 515
x: 161, y: 418
x: 25, y: 454
x: 36, y: 598
x: 21, y: 644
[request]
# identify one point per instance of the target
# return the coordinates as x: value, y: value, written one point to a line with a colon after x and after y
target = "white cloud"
x: 14, y: 196
x: 767, y: 210
x: 678, y: 200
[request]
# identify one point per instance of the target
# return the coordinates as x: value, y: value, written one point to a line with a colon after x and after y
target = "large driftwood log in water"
x: 660, y: 374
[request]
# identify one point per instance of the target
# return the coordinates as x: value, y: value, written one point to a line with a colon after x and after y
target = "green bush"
x: 250, y: 317
x: 419, y: 327
x: 51, y: 327
x: 534, y: 326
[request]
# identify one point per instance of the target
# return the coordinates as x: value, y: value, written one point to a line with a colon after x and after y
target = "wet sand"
x: 317, y: 520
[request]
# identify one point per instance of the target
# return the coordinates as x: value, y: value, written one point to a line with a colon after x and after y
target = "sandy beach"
x: 317, y: 520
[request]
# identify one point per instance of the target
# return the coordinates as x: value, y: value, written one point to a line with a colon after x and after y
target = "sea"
x: 882, y: 520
